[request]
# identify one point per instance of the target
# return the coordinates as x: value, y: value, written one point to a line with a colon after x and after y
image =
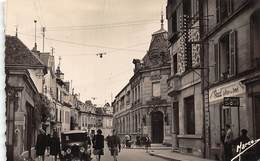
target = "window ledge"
x: 189, y: 136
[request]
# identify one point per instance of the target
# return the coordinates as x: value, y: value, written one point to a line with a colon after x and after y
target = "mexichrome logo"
x: 242, y: 148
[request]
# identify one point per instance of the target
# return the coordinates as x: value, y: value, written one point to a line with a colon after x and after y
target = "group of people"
x: 113, y: 143
x: 229, y: 145
x: 52, y: 143
x: 44, y: 141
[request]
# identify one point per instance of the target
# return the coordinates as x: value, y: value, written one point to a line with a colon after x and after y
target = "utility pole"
x: 52, y: 51
x: 16, y: 31
x: 35, y: 26
x: 43, y: 37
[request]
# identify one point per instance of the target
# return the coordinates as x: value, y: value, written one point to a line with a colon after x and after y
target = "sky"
x: 80, y: 29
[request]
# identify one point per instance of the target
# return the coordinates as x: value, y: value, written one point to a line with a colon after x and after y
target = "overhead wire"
x: 83, y: 44
x: 101, y: 26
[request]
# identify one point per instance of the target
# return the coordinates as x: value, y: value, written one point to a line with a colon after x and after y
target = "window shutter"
x: 232, y: 54
x: 216, y: 58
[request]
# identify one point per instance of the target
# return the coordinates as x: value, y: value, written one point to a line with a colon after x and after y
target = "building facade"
x: 87, y: 117
x: 21, y: 68
x: 185, y: 80
x: 232, y: 56
x: 143, y: 106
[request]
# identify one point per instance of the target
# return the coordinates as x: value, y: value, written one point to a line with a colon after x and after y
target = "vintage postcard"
x: 131, y: 80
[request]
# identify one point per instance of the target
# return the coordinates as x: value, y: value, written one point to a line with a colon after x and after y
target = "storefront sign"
x: 227, y: 90
x: 232, y: 101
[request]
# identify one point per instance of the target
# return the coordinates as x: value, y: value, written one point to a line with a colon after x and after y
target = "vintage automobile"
x: 75, y: 146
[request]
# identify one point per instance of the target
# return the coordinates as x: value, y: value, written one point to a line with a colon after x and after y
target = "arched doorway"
x: 157, y: 127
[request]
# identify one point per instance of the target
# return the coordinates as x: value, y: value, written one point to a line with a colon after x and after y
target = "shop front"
x: 227, y: 106
x: 252, y: 84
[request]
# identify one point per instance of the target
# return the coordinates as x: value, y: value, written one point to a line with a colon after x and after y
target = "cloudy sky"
x: 79, y: 29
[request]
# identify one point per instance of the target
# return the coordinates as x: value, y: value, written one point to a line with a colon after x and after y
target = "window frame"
x: 231, y: 62
x: 159, y: 85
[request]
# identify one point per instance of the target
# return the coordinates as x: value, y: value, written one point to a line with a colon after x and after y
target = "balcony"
x: 174, y: 85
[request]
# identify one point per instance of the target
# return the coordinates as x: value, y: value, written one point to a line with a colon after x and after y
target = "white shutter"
x: 232, y: 54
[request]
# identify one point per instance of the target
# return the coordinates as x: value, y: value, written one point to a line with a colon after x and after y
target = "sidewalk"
x: 153, y: 147
x: 175, y: 156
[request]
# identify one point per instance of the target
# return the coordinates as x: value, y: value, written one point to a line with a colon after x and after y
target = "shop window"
x: 189, y: 112
x: 156, y: 88
x: 255, y: 38
x: 225, y: 56
x: 226, y: 117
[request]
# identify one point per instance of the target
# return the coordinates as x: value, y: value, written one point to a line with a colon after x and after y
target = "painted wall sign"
x: 227, y: 90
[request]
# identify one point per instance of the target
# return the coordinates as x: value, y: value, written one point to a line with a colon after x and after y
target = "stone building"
x: 185, y: 81
x: 87, y: 117
x: 104, y: 120
x: 142, y: 107
x: 49, y: 85
x: 63, y: 103
x: 21, y: 68
x: 232, y: 58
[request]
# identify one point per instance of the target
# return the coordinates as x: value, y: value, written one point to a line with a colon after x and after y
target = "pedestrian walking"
x: 127, y: 141
x: 114, y: 145
x: 88, y: 145
x: 98, y: 145
x: 228, y: 143
x: 41, y: 144
x: 147, y: 143
x: 107, y: 140
x: 54, y: 145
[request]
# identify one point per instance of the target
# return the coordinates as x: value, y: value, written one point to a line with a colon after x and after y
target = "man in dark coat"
x: 114, y: 145
x: 98, y: 145
x: 41, y: 144
x: 55, y: 145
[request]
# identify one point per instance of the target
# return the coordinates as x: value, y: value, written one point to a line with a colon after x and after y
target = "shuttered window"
x: 225, y: 56
x: 232, y: 54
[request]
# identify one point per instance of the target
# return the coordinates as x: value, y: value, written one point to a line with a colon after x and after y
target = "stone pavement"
x: 174, y: 156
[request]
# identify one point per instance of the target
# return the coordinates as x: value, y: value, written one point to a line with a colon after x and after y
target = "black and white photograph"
x: 131, y: 80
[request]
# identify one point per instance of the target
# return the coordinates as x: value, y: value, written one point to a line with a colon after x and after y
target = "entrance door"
x: 157, y: 127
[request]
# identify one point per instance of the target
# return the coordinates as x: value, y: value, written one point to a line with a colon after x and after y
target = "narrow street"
x: 126, y: 155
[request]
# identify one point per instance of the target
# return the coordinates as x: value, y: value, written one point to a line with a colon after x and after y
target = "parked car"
x: 75, y: 146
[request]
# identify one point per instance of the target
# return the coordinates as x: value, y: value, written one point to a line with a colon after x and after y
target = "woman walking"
x: 55, y: 145
x: 98, y: 145
x: 41, y: 144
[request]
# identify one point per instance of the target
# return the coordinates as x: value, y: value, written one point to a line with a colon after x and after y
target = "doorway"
x: 157, y: 127
x: 176, y: 121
